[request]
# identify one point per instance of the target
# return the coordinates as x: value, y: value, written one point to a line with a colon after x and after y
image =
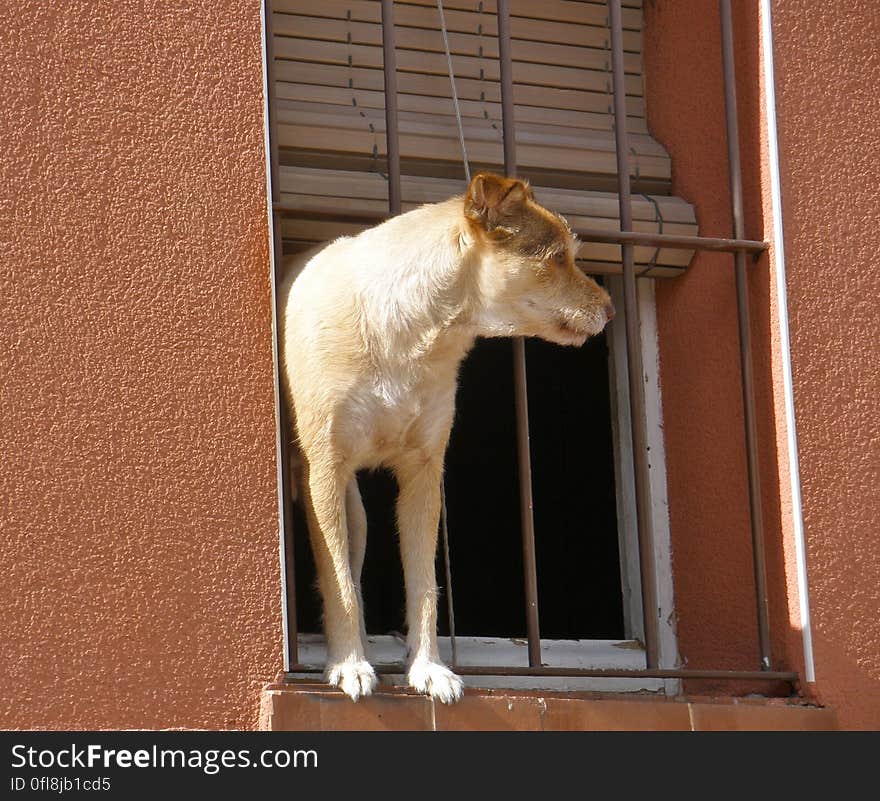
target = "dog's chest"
x: 399, y: 412
x: 398, y: 402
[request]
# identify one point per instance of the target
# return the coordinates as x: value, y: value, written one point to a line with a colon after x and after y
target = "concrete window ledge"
x: 306, y: 706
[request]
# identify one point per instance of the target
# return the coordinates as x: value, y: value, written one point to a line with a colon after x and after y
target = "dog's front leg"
x: 357, y: 545
x: 347, y: 666
x: 418, y: 515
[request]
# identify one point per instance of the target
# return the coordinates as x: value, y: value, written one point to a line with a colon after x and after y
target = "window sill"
x: 296, y: 705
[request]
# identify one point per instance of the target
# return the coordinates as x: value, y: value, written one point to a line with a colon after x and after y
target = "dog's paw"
x: 436, y: 680
x: 354, y: 678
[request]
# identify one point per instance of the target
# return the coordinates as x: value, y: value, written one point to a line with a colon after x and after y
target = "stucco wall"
x: 827, y: 74
x: 138, y: 505
x: 699, y: 345
x: 828, y: 79
x: 137, y: 478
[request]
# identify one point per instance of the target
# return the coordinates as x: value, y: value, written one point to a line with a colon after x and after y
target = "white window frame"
x: 628, y: 653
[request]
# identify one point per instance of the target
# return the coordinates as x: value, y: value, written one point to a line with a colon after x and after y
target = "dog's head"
x: 529, y: 284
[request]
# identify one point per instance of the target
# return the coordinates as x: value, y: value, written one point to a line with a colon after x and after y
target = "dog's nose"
x: 609, y: 312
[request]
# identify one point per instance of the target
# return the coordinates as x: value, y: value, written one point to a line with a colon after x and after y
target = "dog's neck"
x: 422, y: 294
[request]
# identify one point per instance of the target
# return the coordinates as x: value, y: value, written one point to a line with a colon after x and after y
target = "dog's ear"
x: 493, y: 201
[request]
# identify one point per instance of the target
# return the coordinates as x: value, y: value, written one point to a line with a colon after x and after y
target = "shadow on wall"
x: 699, y: 346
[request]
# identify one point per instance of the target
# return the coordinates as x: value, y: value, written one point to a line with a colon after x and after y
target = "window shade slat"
x: 585, y: 13
x: 305, y: 181
x: 317, y: 191
x: 457, y: 21
x: 430, y: 137
x: 288, y: 92
x: 438, y: 86
x: 418, y: 143
x: 578, y: 13
x: 525, y: 51
x: 422, y: 63
x: 538, y: 131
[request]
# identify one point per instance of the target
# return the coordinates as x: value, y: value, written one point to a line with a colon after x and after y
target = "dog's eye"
x: 559, y: 259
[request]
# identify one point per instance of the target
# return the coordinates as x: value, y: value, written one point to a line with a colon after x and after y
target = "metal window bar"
x: 745, y: 338
x: 520, y: 385
x: 638, y: 417
x: 738, y: 245
x: 288, y: 577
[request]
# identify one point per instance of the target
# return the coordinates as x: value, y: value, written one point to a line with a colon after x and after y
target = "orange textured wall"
x: 828, y: 75
x: 828, y: 118
x: 137, y: 480
x: 699, y: 344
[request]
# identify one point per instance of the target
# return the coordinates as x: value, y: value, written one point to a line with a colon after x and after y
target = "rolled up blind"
x: 329, y: 106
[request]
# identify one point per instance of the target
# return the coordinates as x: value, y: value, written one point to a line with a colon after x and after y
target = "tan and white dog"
x: 374, y: 328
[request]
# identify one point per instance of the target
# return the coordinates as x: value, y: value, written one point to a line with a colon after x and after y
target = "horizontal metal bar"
x: 584, y: 234
x: 590, y: 673
x: 671, y: 240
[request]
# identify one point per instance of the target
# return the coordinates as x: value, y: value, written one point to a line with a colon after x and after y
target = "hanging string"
x: 658, y: 218
x: 464, y: 155
x: 450, y: 607
x: 374, y: 152
x: 481, y: 56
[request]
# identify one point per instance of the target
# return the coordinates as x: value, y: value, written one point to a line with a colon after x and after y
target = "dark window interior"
x: 574, y: 505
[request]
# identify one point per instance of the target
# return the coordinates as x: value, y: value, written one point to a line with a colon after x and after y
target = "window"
x: 330, y: 179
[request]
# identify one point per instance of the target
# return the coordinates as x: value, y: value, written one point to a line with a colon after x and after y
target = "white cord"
x: 464, y: 155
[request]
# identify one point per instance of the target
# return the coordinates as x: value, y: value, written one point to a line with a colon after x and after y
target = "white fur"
x: 374, y: 329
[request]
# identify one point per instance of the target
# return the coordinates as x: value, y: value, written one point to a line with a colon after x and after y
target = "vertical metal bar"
x: 634, y: 350
x: 745, y: 340
x: 288, y: 578
x: 508, y: 121
x: 392, y: 139
x: 450, y: 606
x: 519, y: 364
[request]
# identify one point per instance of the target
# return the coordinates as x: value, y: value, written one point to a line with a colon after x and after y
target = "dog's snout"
x: 609, y: 312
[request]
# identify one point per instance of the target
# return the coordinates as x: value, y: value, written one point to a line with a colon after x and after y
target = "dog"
x: 373, y: 329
